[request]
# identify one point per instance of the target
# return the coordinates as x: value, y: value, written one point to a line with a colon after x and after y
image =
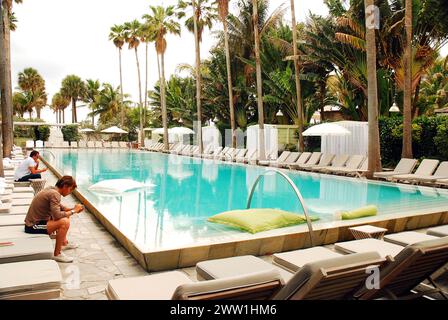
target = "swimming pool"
x: 187, y: 191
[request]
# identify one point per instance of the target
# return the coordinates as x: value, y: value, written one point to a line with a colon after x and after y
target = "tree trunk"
x: 74, y: 120
x: 198, y: 77
x: 121, y: 88
x: 407, y: 93
x: 38, y: 112
x: 142, y: 134
x: 164, y: 111
x: 146, y: 85
x: 261, y: 141
x: 301, y: 145
x: 63, y: 115
x: 372, y: 91
x: 5, y: 83
x: 229, y: 83
x: 415, y: 109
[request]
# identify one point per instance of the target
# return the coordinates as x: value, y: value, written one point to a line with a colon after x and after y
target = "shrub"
x: 441, y: 140
x: 41, y: 133
x: 70, y: 132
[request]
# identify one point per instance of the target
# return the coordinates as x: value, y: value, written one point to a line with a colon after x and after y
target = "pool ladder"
x: 297, y: 192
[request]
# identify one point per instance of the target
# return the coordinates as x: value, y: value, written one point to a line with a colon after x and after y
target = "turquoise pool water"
x: 187, y: 191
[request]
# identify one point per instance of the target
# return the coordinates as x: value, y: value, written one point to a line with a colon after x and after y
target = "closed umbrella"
x: 327, y: 129
x: 114, y: 129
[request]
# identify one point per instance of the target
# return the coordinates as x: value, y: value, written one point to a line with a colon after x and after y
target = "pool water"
x: 187, y: 191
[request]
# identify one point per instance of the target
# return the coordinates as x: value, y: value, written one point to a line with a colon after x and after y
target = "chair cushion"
x: 294, y: 260
x: 28, y: 277
x: 366, y: 211
x: 17, y: 232
x: 12, y: 220
x: 367, y: 245
x: 235, y: 266
x: 26, y: 250
x: 153, y: 287
x: 441, y: 231
x: 257, y: 220
x: 407, y: 238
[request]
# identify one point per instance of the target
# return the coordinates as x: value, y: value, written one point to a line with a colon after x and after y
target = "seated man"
x: 47, y: 215
x: 28, y: 168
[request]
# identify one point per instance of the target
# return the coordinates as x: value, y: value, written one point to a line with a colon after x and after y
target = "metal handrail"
x: 45, y: 150
x: 296, y: 190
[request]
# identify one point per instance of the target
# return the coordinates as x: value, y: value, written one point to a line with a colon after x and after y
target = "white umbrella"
x: 181, y: 131
x: 86, y: 130
x: 159, y: 131
x: 327, y: 129
x: 113, y: 129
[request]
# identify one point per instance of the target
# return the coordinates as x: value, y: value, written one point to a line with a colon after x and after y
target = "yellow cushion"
x: 257, y: 220
x: 366, y: 211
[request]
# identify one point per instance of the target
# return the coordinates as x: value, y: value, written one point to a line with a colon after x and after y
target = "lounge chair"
x: 304, y: 157
x: 238, y: 153
x: 337, y: 162
x: 207, y: 151
x: 250, y: 154
x: 408, y: 238
x: 123, y: 144
x: 176, y: 285
x: 405, y: 166
x: 40, y: 248
x: 228, y: 155
x: 30, y: 280
x: 280, y: 159
x: 324, y: 161
x: 214, y: 154
x: 293, y: 156
x: 413, y: 265
x: 313, y: 161
x: 17, y: 232
x: 12, y: 220
x: 352, y: 163
x: 359, y: 172
x: 426, y: 168
x: 441, y: 173
x: 82, y: 144
x: 90, y: 144
x: 115, y: 144
x: 74, y: 144
x: 219, y: 154
x: 441, y: 231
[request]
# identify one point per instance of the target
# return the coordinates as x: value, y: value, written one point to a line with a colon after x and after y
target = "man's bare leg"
x: 61, y: 227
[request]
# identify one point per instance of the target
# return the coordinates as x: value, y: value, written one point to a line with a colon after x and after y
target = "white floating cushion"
x: 153, y: 287
x: 26, y: 250
x: 407, y: 238
x: 368, y: 245
x: 294, y: 260
x: 24, y: 278
x: 115, y: 186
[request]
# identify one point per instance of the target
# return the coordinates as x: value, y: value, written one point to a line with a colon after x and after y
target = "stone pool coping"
x: 324, y: 233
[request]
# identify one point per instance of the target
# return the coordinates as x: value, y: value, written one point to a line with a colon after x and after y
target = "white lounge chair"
x: 250, y: 155
x: 91, y: 144
x: 74, y: 144
x: 312, y: 161
x: 280, y: 159
x: 293, y: 156
x: 98, y: 144
x: 405, y: 166
x: 407, y: 238
x: 26, y: 250
x: 304, y: 157
x: 352, y: 163
x: 324, y: 161
x: 441, y: 173
x: 337, y: 162
x: 82, y: 144
x: 107, y: 144
x: 440, y: 231
x: 123, y: 144
x: 426, y: 168
x: 39, y: 144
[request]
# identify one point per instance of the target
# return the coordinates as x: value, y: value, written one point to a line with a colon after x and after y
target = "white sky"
x: 62, y: 37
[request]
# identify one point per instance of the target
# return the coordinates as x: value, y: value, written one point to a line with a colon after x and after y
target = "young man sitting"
x: 47, y: 215
x: 28, y: 168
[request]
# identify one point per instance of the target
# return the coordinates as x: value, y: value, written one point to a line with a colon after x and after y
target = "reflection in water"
x: 188, y: 191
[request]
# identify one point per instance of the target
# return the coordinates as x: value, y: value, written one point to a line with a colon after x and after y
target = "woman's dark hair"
x: 33, y: 153
x: 66, y: 181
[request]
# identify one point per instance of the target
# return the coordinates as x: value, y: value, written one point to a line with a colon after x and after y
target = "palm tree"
x: 297, y: 76
x: 147, y: 35
x: 116, y: 35
x: 407, y: 93
x: 31, y: 81
x: 262, y: 154
x: 203, y: 16
x: 59, y: 102
x: 21, y: 102
x: 163, y: 21
x: 74, y: 89
x: 372, y: 91
x: 5, y: 75
x: 92, y: 90
x: 132, y: 37
x: 107, y: 103
x: 223, y: 10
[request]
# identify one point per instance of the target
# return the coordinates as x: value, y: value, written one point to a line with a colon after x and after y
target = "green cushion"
x: 257, y: 220
x: 366, y: 211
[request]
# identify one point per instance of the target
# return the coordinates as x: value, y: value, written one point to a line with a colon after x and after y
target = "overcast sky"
x: 62, y: 37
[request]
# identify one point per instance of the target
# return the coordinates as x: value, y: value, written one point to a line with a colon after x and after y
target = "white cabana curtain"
x: 355, y: 143
x: 270, y: 137
x: 211, y: 137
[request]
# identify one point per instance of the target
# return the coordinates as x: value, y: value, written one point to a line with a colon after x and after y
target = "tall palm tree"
x: 147, y: 35
x: 22, y: 102
x: 372, y: 90
x: 223, y: 11
x: 297, y: 76
x: 107, y: 103
x: 261, y: 138
x: 29, y: 80
x: 92, y: 90
x: 163, y: 21
x: 116, y: 35
x: 204, y: 13
x: 74, y: 89
x: 59, y: 102
x: 5, y: 75
x: 132, y: 37
x: 407, y: 93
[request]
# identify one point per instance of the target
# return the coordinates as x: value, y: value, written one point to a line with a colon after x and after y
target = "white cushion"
x: 407, y: 238
x: 294, y: 260
x: 24, y: 278
x: 441, y: 231
x: 368, y: 245
x: 153, y: 287
x: 12, y: 220
x: 16, y: 232
x: 26, y: 250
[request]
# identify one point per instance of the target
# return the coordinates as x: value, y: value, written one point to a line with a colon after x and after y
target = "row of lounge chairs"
x: 404, y: 261
x: 91, y: 144
x: 26, y: 266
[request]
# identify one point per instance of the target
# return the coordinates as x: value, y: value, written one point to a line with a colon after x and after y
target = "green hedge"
x: 70, y: 133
